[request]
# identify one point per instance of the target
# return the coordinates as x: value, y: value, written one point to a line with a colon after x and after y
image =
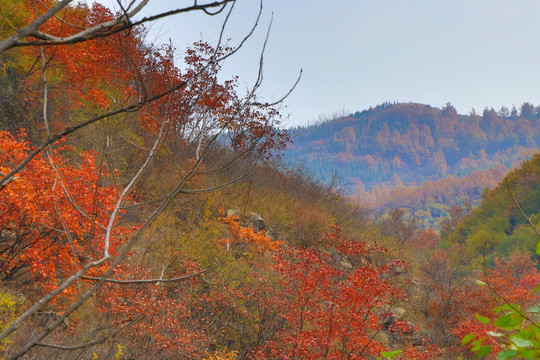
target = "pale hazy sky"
x: 355, y: 54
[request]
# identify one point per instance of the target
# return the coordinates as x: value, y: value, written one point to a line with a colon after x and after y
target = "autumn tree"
x: 63, y: 206
x: 501, y: 314
x: 335, y: 302
x: 31, y: 32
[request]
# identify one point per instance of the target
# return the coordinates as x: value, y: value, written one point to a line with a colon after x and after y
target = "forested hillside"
x: 130, y: 230
x: 404, y: 144
x: 385, y: 154
x: 429, y: 202
x: 497, y: 227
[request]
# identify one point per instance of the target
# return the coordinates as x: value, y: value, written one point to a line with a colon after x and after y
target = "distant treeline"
x: 406, y: 144
x: 429, y: 203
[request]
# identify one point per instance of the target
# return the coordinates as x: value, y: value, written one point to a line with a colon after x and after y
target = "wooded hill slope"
x: 393, y: 145
x: 417, y: 157
x: 497, y: 227
x: 114, y: 237
x: 114, y: 191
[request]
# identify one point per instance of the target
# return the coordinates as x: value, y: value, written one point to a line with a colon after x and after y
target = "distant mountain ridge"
x: 399, y: 155
x: 395, y: 145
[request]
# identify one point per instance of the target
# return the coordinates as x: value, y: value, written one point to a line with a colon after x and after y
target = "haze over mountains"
x: 377, y: 152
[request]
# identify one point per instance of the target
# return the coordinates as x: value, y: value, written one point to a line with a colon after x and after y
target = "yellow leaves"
x: 8, y: 306
x: 222, y: 355
x: 120, y: 353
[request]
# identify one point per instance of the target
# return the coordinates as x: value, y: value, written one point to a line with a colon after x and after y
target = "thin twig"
x: 519, y: 207
x: 157, y: 280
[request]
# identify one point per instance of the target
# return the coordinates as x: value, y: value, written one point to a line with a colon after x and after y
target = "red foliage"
x: 512, y: 281
x: 332, y: 308
x: 162, y: 316
x: 94, y: 74
x: 514, y: 278
x: 53, y: 215
x: 425, y: 239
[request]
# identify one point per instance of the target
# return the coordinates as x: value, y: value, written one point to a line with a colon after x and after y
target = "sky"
x: 361, y: 53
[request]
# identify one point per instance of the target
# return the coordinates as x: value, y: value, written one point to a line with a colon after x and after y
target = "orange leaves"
x: 515, y: 278
x: 52, y: 217
x: 174, y: 318
x: 91, y: 74
x: 247, y: 235
x: 458, y: 305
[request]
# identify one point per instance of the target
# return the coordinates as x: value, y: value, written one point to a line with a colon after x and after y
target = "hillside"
x: 114, y: 193
x: 430, y: 202
x: 130, y: 230
x: 497, y: 224
x: 396, y: 145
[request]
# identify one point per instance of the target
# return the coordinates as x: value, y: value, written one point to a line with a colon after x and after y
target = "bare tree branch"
x: 157, y: 280
x: 90, y: 343
x: 100, y: 30
x: 14, y: 39
x: 519, y: 207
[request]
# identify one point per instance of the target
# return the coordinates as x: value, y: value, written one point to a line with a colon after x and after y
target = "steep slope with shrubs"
x: 115, y: 241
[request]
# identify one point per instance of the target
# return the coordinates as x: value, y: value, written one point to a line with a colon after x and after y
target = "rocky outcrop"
x: 248, y: 219
x: 400, y: 332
